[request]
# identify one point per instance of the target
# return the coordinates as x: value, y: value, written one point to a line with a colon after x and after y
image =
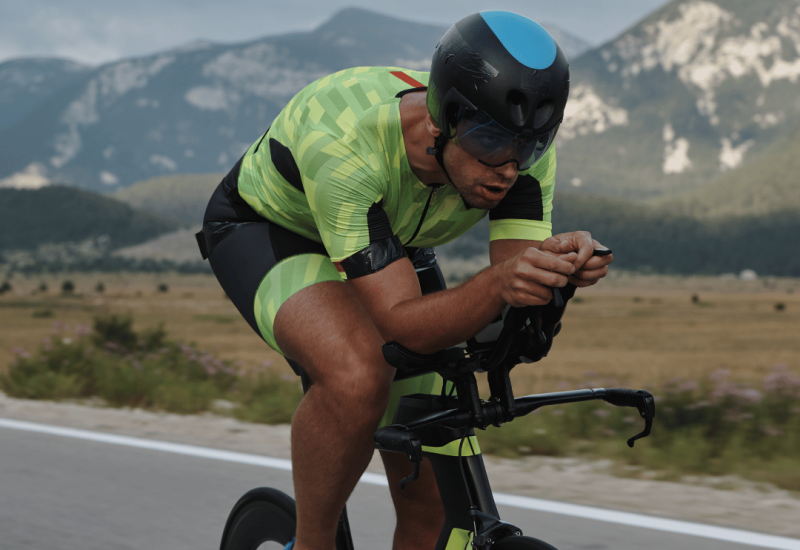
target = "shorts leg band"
x: 288, y: 277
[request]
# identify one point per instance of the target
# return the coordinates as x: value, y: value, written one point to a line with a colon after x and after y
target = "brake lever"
x: 647, y: 410
x: 414, y: 474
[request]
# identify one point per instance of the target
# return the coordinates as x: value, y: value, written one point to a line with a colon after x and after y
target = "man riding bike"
x: 321, y: 235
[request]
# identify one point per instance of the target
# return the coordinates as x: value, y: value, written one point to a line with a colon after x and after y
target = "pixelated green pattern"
x: 288, y: 277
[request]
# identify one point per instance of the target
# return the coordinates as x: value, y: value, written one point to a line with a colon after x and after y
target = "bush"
x: 271, y: 400
x: 100, y: 287
x: 5, y: 287
x: 45, y: 313
x: 67, y: 287
x: 143, y: 369
x: 163, y: 287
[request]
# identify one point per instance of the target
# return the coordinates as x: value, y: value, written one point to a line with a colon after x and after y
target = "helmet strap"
x: 438, y: 151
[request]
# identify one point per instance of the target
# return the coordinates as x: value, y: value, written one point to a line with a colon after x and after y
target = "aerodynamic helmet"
x: 498, y: 87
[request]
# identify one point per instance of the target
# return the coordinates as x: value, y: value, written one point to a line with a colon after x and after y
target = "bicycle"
x: 441, y: 428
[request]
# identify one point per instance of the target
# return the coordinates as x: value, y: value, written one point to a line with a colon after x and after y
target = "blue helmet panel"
x: 526, y: 40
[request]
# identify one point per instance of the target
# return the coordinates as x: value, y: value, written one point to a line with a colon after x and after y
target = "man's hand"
x: 588, y: 268
x: 527, y: 279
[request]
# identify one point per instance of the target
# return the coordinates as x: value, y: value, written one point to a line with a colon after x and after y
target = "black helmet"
x: 498, y: 87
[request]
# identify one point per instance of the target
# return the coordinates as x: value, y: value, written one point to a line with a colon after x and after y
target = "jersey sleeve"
x: 525, y: 212
x: 345, y: 191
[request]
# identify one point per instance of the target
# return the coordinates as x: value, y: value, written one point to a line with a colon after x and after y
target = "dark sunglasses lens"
x: 483, y: 138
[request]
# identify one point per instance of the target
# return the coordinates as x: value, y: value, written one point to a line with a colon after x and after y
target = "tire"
x: 261, y: 515
x: 521, y: 543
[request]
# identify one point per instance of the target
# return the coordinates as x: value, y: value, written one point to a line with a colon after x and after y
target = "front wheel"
x: 521, y: 543
x: 262, y: 516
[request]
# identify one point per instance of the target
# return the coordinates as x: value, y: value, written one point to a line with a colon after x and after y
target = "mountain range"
x: 690, y: 94
x: 189, y: 110
x: 683, y: 98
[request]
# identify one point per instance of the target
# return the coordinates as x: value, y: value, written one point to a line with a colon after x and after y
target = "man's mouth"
x: 496, y: 190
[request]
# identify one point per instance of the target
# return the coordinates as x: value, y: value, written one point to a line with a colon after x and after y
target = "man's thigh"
x: 325, y: 329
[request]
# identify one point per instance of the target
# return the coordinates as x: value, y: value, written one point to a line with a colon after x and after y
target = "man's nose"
x: 508, y: 170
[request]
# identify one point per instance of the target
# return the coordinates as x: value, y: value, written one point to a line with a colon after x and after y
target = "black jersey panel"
x: 285, y: 164
x: 522, y: 202
x: 378, y: 222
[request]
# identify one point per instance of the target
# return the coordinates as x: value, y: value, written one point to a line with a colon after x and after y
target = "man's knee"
x: 358, y: 377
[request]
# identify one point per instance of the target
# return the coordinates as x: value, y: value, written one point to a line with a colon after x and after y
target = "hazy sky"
x: 96, y: 31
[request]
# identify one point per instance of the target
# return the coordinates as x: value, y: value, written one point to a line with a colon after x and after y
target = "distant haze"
x: 98, y: 31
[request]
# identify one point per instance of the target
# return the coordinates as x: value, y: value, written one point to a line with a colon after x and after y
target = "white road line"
x: 549, y: 506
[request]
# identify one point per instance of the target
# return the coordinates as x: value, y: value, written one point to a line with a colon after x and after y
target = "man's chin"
x: 479, y: 202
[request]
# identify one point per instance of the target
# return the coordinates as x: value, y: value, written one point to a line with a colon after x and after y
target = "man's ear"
x: 431, y: 126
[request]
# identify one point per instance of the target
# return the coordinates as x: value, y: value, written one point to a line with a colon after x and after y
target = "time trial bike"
x: 441, y: 428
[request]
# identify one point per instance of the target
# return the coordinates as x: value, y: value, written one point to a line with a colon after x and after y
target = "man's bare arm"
x: 429, y: 323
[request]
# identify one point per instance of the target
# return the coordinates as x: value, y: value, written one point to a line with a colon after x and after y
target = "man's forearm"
x: 427, y: 324
x: 436, y: 321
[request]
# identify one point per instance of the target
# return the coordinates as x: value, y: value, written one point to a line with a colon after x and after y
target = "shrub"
x: 142, y: 369
x: 163, y: 287
x: 270, y: 400
x: 114, y: 332
x: 67, y: 287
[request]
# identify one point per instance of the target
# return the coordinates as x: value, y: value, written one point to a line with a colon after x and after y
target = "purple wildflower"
x: 770, y: 431
x: 719, y: 375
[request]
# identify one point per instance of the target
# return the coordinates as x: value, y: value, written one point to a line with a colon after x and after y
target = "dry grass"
x: 632, y: 330
x: 646, y: 330
x: 194, y: 309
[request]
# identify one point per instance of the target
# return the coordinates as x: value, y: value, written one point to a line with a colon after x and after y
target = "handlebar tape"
x: 391, y: 438
x: 622, y: 397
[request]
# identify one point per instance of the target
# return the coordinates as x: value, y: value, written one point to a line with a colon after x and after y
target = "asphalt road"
x: 61, y: 493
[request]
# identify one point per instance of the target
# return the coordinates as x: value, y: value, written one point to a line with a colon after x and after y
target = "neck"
x: 417, y: 138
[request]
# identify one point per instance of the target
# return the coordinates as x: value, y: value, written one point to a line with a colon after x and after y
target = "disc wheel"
x: 263, y: 519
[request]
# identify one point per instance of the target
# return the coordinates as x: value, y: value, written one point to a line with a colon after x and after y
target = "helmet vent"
x: 517, y: 107
x: 543, y: 114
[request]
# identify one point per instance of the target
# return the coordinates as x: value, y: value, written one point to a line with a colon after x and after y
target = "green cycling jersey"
x: 333, y: 168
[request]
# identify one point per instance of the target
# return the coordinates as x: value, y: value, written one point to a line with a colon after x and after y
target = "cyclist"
x: 321, y: 236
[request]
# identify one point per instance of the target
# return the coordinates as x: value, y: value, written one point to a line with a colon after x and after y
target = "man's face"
x: 480, y: 186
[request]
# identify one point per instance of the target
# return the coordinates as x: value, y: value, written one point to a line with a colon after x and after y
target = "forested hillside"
x: 655, y: 240
x: 29, y: 219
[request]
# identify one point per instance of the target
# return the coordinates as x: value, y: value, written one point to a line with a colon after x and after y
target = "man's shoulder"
x: 359, y: 88
x: 348, y: 112
x: 391, y: 78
